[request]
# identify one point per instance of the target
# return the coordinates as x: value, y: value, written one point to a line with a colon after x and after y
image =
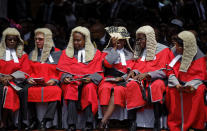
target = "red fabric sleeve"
x: 25, y: 65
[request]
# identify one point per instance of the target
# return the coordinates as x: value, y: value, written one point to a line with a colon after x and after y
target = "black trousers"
x: 157, y: 114
x: 49, y: 114
x: 1, y: 99
x: 26, y: 107
x: 132, y: 114
x: 23, y: 102
x: 73, y: 114
x: 23, y: 97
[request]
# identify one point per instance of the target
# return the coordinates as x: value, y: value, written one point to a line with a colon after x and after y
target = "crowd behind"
x: 62, y: 23
x: 65, y: 15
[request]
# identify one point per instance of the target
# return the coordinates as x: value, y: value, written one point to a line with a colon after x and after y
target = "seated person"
x: 185, y: 93
x: 111, y: 91
x: 82, y: 71
x: 43, y: 81
x: 146, y: 87
x: 14, y: 66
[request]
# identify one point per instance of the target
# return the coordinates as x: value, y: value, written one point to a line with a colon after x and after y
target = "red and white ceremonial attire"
x: 19, y: 71
x: 47, y: 71
x: 70, y: 67
x: 156, y: 69
x: 114, y: 67
x: 186, y: 110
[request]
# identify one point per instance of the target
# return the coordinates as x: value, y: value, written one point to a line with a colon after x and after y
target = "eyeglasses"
x: 38, y: 38
x: 140, y: 39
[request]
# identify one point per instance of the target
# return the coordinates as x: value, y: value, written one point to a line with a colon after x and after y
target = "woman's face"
x: 120, y: 43
x: 39, y: 40
x: 78, y: 41
x: 141, y: 40
x: 11, y: 41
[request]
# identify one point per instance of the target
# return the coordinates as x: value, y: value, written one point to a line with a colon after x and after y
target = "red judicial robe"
x: 47, y: 71
x: 9, y: 67
x: 187, y: 110
x: 157, y: 86
x: 78, y: 70
x: 115, y: 70
x: 206, y: 85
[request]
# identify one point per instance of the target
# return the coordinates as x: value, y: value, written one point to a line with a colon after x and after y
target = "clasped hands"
x: 48, y: 83
x: 187, y: 89
x: 5, y: 79
x: 67, y: 80
x: 138, y: 77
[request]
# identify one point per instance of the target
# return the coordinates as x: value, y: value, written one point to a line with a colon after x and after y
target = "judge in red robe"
x: 117, y: 58
x: 148, y: 86
x: 44, y: 78
x: 14, y: 66
x: 185, y: 95
x: 81, y: 67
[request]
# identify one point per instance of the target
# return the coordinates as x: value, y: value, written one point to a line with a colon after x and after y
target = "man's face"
x: 39, y: 40
x: 97, y: 31
x: 179, y: 48
x: 78, y: 41
x: 11, y: 41
x: 141, y: 40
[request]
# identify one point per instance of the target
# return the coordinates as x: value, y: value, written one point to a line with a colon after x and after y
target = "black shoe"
x: 133, y: 126
x: 103, y: 126
x: 157, y: 125
x: 71, y: 128
x: 156, y: 129
x: 31, y: 126
x: 42, y: 126
x: 157, y: 114
x: 89, y: 127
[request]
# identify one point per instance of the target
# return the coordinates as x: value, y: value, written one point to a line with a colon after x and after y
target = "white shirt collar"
x: 81, y: 53
x: 122, y: 57
x: 11, y: 54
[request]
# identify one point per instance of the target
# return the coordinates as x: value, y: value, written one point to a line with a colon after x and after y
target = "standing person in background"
x: 14, y: 66
x: 145, y: 89
x: 27, y: 34
x: 58, y: 38
x: 118, y: 57
x: 185, y: 95
x: 82, y: 71
x: 43, y: 81
x: 99, y: 36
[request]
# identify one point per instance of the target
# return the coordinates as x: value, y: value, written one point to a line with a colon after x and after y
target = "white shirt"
x: 81, y: 54
x: 122, y: 58
x: 11, y: 54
